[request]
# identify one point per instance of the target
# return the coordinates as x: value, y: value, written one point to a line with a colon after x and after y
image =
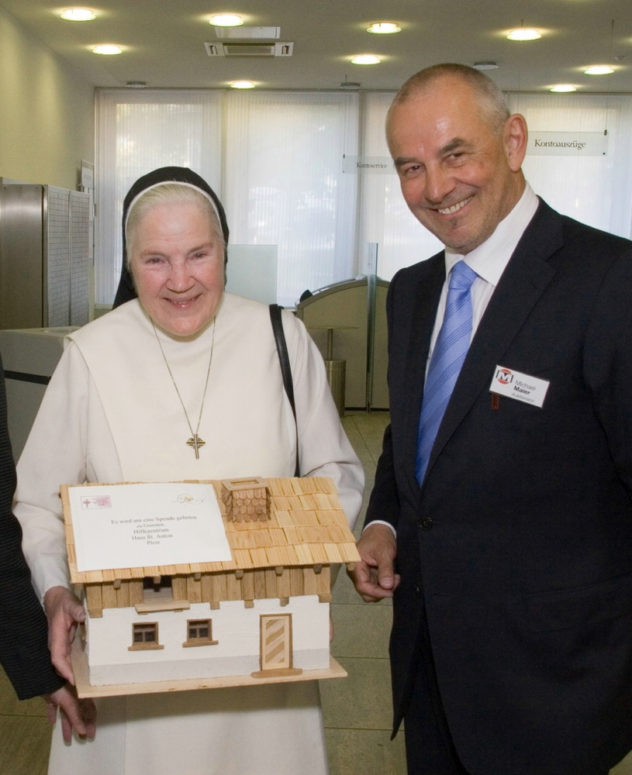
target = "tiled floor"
x: 24, y: 732
x: 357, y: 709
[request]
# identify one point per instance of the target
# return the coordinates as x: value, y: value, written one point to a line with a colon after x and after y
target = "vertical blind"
x: 273, y: 158
x: 280, y: 162
x: 285, y: 185
x: 595, y: 189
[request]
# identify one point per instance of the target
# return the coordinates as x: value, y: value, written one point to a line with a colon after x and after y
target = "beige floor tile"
x: 353, y: 751
x: 370, y: 426
x: 363, y: 699
x: 361, y: 630
x: 25, y: 744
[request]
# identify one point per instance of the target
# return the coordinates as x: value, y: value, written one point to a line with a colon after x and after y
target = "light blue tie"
x: 447, y: 358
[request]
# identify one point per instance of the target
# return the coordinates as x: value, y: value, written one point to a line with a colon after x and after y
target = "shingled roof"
x: 307, y: 527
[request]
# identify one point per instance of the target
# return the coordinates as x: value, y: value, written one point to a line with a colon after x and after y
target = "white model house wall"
x: 235, y: 629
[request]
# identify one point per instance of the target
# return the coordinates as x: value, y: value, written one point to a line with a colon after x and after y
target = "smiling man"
x: 501, y: 518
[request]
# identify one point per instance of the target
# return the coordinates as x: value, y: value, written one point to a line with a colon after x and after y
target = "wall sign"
x: 568, y: 143
x: 375, y: 164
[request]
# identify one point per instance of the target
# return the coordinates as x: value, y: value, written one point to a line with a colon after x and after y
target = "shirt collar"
x: 490, y: 259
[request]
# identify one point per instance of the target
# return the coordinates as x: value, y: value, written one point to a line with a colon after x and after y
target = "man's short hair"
x: 492, y: 98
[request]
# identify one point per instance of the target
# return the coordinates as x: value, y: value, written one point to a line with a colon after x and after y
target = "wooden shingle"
x: 307, y: 526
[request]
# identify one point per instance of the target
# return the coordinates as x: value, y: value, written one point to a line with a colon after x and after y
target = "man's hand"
x: 374, y: 576
x: 63, y: 612
x: 75, y: 714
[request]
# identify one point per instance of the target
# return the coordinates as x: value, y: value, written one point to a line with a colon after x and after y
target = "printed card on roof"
x: 141, y: 525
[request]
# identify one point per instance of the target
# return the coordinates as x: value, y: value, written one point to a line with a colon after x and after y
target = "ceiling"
x: 165, y: 41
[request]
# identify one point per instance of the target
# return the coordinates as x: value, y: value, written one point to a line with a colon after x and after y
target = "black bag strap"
x: 286, y: 369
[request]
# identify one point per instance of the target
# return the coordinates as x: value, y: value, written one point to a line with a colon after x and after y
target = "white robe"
x: 111, y: 413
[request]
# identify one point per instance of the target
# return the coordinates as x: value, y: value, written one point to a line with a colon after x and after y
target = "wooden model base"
x: 85, y: 689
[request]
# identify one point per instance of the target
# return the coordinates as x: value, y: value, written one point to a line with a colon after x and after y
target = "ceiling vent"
x: 247, y: 33
x: 249, y: 49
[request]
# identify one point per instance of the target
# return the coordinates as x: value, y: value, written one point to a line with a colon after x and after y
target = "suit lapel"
x: 527, y: 275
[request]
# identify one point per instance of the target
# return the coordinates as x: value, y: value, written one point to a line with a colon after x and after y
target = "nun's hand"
x: 64, y: 612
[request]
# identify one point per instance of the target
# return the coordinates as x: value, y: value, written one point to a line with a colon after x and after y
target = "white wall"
x: 46, y: 111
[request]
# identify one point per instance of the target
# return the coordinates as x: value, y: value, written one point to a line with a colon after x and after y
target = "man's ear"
x: 515, y: 136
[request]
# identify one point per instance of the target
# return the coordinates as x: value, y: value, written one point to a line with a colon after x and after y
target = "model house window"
x: 145, y: 636
x: 199, y: 633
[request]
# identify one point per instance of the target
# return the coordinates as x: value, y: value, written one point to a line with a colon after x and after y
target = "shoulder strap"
x: 286, y: 369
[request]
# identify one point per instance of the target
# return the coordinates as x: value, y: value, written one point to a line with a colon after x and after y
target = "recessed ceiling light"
x: 384, y: 28
x: 226, y: 20
x: 485, y: 65
x: 107, y: 49
x: 599, y: 70
x: 524, y: 33
x: 77, y: 14
x: 242, y: 84
x: 563, y: 88
x: 365, y: 59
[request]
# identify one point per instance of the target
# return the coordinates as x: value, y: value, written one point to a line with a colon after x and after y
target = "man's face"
x: 460, y: 175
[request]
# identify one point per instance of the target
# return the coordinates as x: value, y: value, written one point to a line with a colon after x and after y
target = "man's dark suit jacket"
x: 517, y: 550
x: 23, y: 631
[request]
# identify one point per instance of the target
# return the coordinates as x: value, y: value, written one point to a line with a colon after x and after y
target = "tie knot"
x: 462, y: 276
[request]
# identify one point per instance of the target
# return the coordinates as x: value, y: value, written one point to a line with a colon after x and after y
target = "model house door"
x: 276, y: 642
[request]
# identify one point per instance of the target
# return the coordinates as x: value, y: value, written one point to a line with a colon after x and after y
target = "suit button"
x: 425, y: 523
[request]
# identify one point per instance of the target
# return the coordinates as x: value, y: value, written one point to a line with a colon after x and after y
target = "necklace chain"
x: 195, y: 441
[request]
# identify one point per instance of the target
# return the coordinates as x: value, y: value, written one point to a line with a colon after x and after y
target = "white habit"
x: 111, y: 414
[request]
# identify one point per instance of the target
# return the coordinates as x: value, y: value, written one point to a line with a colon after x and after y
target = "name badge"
x: 521, y: 387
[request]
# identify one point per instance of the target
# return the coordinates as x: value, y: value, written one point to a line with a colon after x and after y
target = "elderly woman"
x: 183, y: 382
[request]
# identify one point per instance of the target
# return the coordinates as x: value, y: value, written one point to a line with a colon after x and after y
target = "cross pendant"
x: 196, y: 442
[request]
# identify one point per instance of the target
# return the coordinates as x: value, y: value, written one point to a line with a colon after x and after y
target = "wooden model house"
x: 263, y: 616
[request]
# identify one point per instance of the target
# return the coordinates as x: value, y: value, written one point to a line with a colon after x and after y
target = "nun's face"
x: 177, y: 261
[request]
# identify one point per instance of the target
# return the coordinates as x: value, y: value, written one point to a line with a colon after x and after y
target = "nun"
x: 181, y: 380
